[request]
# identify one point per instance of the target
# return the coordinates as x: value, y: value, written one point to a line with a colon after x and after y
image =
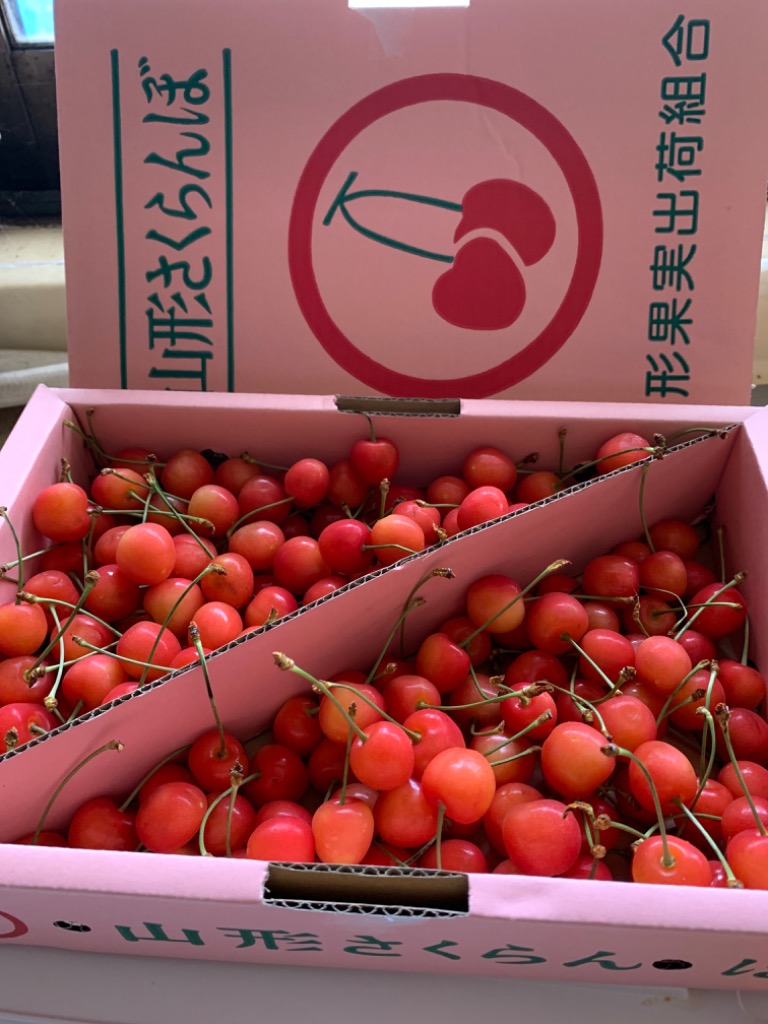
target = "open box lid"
x: 516, y: 198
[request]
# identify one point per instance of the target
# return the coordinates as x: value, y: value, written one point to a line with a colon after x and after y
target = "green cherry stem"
x: 441, y: 572
x: 732, y: 881
x: 723, y: 715
x: 194, y: 639
x: 737, y: 579
x: 111, y: 745
x: 555, y: 566
x: 211, y: 567
x: 613, y: 750
x: 135, y: 792
x: 17, y: 544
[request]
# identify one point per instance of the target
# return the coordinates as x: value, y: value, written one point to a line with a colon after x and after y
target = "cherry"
x: 90, y: 680
x: 60, y: 512
x: 462, y: 780
x: 689, y: 865
x: 100, y: 824
x: 228, y: 830
x: 720, y: 610
x: 540, y: 838
x: 481, y: 505
x: 489, y: 466
x: 212, y: 757
x: 437, y: 732
x: 282, y: 838
x: 231, y: 581
x: 455, y: 855
x: 671, y: 773
x: 622, y: 450
x: 23, y: 628
x: 282, y: 775
x: 218, y: 506
x: 394, y: 537
x: 551, y: 617
x: 494, y: 603
x: 747, y: 854
x: 296, y: 726
x: 170, y: 816
x: 146, y: 553
x: 21, y: 722
x: 174, y: 603
x: 184, y: 472
x: 147, y: 643
x: 675, y: 535
x: 343, y: 831
x: 572, y: 760
x: 404, y: 817
x: 611, y: 576
x: 374, y: 459
x: 258, y: 542
x: 385, y: 758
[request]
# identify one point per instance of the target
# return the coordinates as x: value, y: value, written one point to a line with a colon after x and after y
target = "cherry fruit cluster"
x: 235, y: 544
x: 602, y: 725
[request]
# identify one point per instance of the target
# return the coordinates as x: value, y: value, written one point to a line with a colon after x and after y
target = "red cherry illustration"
x: 482, y: 291
x: 512, y: 209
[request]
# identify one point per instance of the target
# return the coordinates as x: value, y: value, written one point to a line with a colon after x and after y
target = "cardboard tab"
x: 528, y: 200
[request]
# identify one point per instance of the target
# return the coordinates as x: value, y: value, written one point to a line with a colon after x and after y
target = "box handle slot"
x: 393, y: 892
x: 399, y: 406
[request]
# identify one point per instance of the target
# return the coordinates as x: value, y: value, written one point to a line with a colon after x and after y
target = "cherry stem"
x: 446, y: 574
x: 135, y: 792
x: 91, y: 579
x: 231, y: 792
x: 383, y: 492
x: 111, y: 745
x: 345, y: 773
x: 514, y: 757
x: 723, y: 715
x: 654, y: 452
x: 50, y: 702
x: 612, y: 750
x: 96, y: 449
x: 439, y: 835
x: 155, y: 488
x: 319, y: 686
x: 721, y: 551
x: 732, y: 881
x: 255, y: 512
x: 555, y: 566
x: 247, y: 457
x: 410, y: 606
x: 545, y: 716
x: 667, y: 708
x: 17, y: 545
x: 737, y: 579
x: 745, y: 645
x: 643, y: 520
x: 211, y: 567
x: 194, y: 639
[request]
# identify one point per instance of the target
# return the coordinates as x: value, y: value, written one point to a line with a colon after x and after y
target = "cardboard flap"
x: 297, y: 196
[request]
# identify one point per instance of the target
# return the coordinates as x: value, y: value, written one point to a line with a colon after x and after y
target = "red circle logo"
x: 502, y: 300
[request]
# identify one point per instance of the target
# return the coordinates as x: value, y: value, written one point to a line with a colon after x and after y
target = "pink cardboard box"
x: 250, y: 911
x: 537, y: 199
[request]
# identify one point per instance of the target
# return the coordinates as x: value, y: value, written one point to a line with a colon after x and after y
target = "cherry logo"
x: 484, y: 289
x: 503, y: 228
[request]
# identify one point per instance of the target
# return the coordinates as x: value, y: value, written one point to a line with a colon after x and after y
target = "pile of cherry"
x: 602, y: 726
